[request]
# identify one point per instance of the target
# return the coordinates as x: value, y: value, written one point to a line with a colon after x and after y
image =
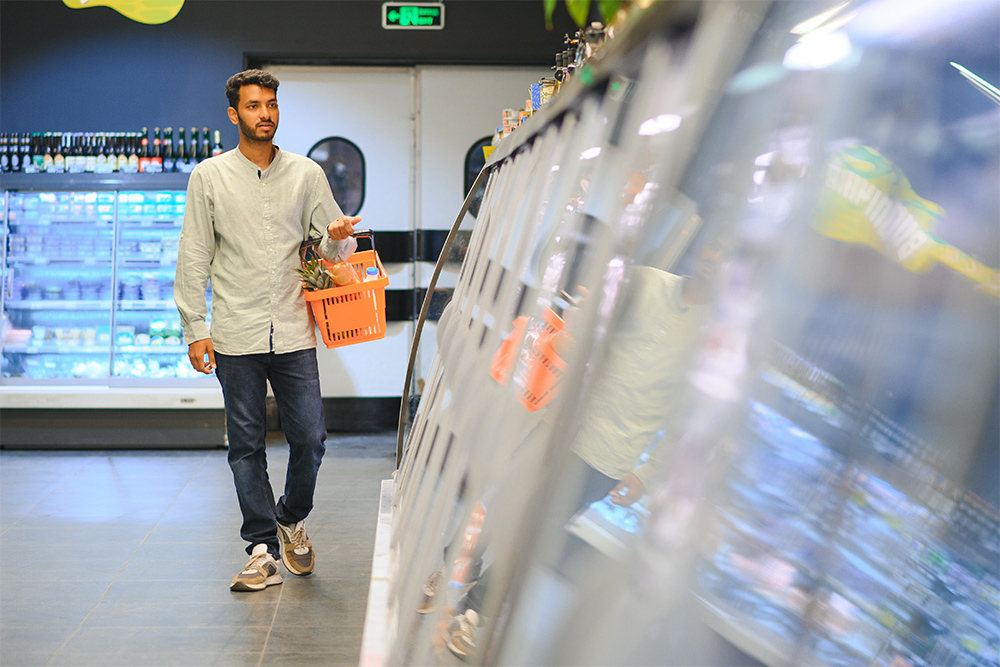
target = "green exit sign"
x: 413, y: 15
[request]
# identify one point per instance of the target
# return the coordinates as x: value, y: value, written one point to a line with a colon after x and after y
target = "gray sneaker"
x: 296, y: 549
x: 262, y: 571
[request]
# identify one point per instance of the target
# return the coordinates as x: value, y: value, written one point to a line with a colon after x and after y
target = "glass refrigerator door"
x: 57, y: 286
x: 148, y: 342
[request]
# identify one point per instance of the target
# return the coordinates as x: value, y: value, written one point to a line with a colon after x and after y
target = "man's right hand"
x: 342, y: 227
x: 197, y: 352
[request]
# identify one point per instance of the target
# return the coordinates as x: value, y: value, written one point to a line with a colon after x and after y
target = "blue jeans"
x: 294, y: 377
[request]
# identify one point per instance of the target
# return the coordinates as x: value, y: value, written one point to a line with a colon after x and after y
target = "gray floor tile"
x: 291, y: 639
x: 156, y: 659
x: 160, y: 534
x: 20, y: 640
x: 183, y: 615
x: 208, y: 591
x: 167, y: 641
x: 16, y: 593
x: 25, y: 658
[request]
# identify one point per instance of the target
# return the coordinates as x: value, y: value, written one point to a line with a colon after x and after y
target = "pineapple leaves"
x: 315, y: 276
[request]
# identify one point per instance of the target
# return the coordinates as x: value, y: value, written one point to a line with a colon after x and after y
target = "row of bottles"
x: 107, y: 152
x: 580, y: 48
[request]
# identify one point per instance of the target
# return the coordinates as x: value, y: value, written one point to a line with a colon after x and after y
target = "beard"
x: 257, y: 133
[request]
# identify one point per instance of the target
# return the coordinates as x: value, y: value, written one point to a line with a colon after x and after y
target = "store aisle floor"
x: 125, y: 558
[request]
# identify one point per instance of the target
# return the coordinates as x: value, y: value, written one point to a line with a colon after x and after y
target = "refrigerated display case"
x: 826, y: 481
x: 88, y: 269
x: 58, y: 272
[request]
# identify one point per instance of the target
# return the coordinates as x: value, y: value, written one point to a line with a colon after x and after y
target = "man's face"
x: 257, y: 115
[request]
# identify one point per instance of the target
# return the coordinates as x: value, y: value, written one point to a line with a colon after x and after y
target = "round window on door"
x: 344, y: 165
x: 475, y: 160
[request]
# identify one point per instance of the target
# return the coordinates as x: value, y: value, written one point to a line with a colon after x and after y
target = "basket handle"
x: 365, y: 233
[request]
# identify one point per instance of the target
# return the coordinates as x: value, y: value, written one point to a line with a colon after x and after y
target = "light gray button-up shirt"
x: 242, y: 229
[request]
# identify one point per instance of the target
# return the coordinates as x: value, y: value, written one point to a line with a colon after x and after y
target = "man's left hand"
x: 342, y: 227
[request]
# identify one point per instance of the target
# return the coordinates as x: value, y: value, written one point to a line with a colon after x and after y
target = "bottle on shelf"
x: 58, y: 165
x: 75, y: 159
x: 4, y: 154
x: 155, y: 164
x: 168, y: 149
x: 217, y: 143
x: 100, y: 156
x: 181, y: 156
x: 206, y: 144
x: 122, y: 146
x: 91, y: 150
x: 133, y: 151
x: 36, y: 159
x: 24, y: 152
x: 194, y: 154
x: 14, y: 149
x: 144, y: 150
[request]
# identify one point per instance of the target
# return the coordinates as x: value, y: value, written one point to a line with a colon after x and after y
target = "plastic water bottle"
x: 371, y: 273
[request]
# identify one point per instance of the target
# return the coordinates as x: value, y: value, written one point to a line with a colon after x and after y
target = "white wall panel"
x: 369, y: 106
x: 459, y: 106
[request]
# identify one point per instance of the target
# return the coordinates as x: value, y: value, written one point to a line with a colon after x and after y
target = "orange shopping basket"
x: 351, y: 313
x: 537, y: 381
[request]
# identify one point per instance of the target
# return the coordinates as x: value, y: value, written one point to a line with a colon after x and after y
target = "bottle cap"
x: 371, y: 272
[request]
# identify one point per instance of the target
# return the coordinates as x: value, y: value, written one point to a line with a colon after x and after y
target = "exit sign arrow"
x: 413, y: 15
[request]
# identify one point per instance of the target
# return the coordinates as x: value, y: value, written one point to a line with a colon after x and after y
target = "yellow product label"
x: 868, y: 200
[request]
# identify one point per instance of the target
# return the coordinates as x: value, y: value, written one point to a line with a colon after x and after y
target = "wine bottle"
x: 58, y: 165
x: 155, y: 164
x: 90, y: 152
x: 37, y: 153
x: 168, y: 149
x: 206, y: 144
x: 4, y: 154
x: 144, y: 149
x: 23, y: 152
x: 14, y: 148
x: 193, y: 152
x: 180, y: 158
x: 133, y: 149
x: 217, y: 143
x: 122, y: 145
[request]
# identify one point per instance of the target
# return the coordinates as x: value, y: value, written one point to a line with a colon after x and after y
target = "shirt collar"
x: 253, y: 166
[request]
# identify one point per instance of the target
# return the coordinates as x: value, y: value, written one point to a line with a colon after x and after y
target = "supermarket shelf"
x: 48, y: 182
x: 83, y: 304
x: 104, y: 397
x: 16, y: 260
x: 54, y: 348
x: 153, y: 304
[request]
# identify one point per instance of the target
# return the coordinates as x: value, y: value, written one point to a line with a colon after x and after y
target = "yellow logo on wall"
x: 143, y: 11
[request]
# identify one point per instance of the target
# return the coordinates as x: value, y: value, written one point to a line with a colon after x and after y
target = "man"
x: 248, y: 210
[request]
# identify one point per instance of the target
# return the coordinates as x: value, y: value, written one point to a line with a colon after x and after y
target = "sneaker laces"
x: 298, y: 538
x: 257, y: 562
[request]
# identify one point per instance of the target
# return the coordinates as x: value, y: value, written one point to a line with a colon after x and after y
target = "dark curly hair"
x: 250, y: 77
